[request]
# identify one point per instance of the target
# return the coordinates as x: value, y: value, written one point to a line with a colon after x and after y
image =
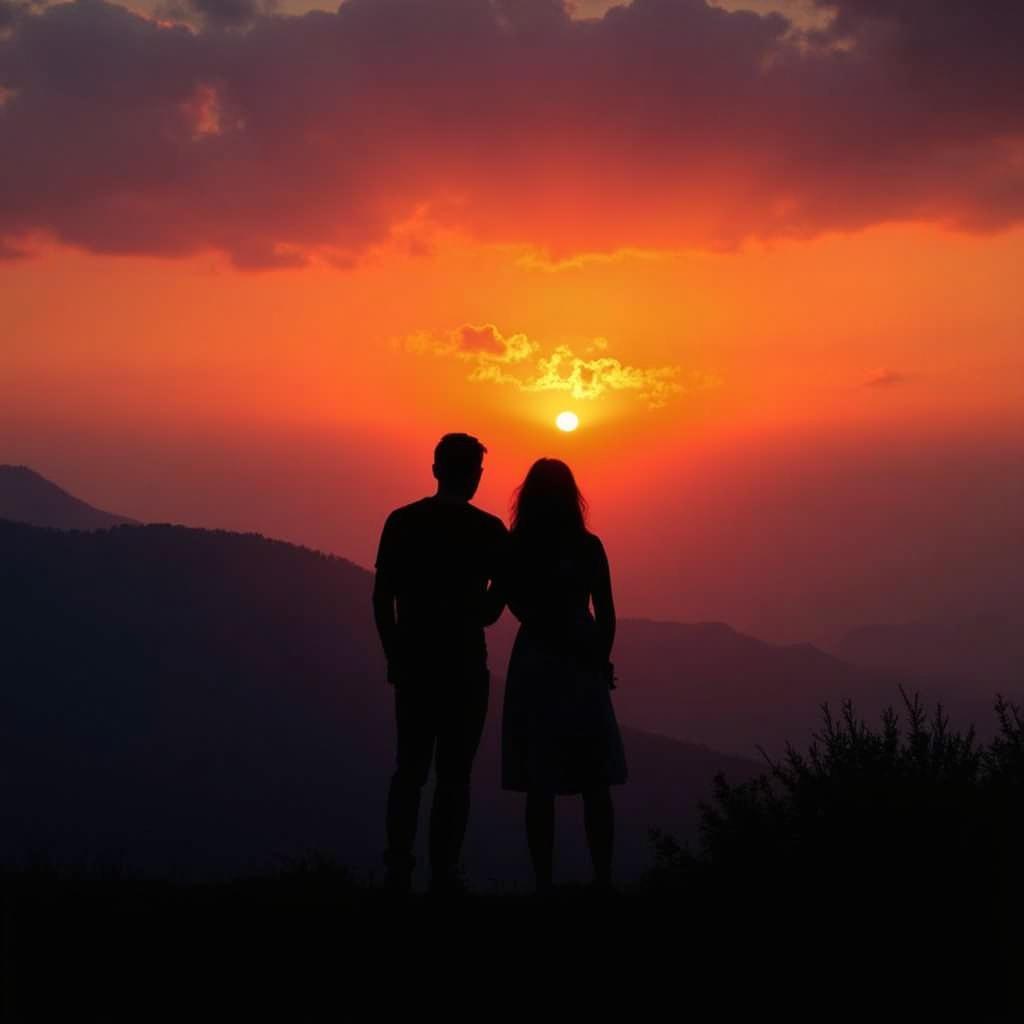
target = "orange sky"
x: 135, y: 381
x: 890, y: 325
x: 825, y: 424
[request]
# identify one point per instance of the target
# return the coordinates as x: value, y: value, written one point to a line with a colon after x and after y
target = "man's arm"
x: 384, y: 612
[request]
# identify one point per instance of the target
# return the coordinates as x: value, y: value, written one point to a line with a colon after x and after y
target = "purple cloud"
x: 884, y: 378
x: 666, y: 123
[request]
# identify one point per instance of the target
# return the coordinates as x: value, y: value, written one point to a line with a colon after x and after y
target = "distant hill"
x: 733, y: 692
x: 203, y: 701
x: 706, y: 683
x: 27, y: 497
x: 986, y: 648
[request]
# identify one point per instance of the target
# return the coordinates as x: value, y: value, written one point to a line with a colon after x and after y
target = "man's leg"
x: 416, y: 729
x: 463, y: 712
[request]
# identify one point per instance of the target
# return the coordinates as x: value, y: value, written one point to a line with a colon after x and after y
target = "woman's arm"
x: 604, y: 606
x: 520, y: 596
x: 519, y: 602
x: 496, y: 597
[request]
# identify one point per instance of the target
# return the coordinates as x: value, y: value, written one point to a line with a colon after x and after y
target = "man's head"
x: 458, y: 463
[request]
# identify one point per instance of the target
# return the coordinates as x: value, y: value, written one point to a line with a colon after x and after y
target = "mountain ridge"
x: 986, y: 647
x: 197, y: 701
x: 27, y: 496
x: 710, y: 684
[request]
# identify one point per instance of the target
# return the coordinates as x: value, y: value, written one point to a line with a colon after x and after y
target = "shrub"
x: 894, y: 845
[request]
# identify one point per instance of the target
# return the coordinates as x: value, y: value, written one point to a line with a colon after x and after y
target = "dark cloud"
x: 227, y: 12
x: 486, y: 340
x: 884, y: 378
x: 216, y: 14
x: 963, y: 55
x: 11, y: 252
x: 663, y: 124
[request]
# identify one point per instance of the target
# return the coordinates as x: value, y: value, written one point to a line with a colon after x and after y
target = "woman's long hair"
x: 547, y: 505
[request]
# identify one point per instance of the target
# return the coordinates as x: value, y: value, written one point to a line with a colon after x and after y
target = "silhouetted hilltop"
x: 987, y: 648
x: 27, y: 497
x: 204, y: 700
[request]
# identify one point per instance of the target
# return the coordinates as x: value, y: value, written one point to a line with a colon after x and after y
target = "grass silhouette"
x: 875, y: 873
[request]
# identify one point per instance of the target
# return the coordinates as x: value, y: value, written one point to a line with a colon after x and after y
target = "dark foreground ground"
x: 309, y: 943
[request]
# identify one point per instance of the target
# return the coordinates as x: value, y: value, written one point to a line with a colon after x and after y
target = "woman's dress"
x: 559, y: 731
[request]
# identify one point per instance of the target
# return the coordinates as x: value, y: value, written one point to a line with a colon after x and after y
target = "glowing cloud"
x: 519, y: 361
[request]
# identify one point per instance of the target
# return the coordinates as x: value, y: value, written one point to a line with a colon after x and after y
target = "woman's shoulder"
x: 592, y: 545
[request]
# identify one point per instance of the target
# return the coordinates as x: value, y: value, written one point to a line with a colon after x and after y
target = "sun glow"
x: 567, y: 421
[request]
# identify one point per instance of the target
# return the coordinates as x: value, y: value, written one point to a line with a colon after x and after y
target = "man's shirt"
x: 438, y: 558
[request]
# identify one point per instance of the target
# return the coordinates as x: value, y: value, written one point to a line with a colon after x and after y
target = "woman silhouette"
x: 559, y: 733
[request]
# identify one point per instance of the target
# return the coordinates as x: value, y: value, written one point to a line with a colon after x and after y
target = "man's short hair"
x: 458, y: 457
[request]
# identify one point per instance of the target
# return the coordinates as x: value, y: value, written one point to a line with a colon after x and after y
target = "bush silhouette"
x: 895, y: 845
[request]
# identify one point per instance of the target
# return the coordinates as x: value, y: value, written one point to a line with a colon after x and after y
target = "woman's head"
x: 548, y: 501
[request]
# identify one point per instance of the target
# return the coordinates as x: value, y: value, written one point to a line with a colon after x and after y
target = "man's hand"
x: 392, y: 674
x: 387, y: 628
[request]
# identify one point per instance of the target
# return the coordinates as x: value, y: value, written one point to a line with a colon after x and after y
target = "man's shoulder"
x: 400, y: 523
x: 428, y: 511
x: 411, y: 511
x: 488, y: 520
x: 487, y: 517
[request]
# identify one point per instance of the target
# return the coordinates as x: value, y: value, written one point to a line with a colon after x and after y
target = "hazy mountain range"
x: 203, y: 700
x: 986, y: 648
x: 27, y: 497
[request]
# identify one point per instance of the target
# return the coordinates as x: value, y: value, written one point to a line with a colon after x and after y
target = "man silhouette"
x: 433, y: 595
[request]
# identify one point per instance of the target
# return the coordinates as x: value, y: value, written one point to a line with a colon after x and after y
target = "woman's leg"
x: 599, y: 821
x: 540, y: 835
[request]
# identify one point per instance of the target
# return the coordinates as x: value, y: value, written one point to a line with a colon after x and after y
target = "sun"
x: 567, y: 421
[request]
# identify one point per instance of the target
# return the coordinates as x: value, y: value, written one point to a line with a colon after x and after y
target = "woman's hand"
x: 608, y: 674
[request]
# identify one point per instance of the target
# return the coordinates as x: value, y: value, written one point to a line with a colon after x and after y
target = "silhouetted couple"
x: 446, y: 570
